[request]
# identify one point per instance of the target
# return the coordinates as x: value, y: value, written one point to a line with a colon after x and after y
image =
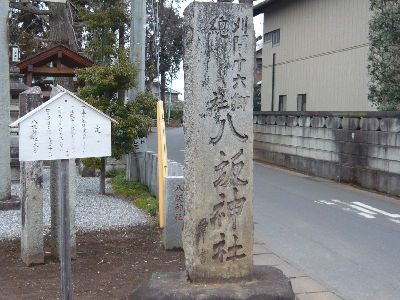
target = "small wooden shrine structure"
x: 57, y: 61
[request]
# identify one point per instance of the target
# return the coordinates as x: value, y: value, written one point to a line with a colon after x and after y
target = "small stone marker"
x: 154, y: 175
x: 149, y: 167
x: 132, y: 167
x: 174, y: 168
x: 219, y: 55
x: 32, y: 251
x: 174, y: 212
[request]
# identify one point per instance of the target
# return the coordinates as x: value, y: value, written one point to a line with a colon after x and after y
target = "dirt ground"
x: 109, y: 265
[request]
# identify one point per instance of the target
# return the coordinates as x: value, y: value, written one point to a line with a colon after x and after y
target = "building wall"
x: 361, y: 148
x: 258, y: 67
x: 323, y: 53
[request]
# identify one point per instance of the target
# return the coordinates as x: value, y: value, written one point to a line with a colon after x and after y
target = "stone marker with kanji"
x: 218, y: 125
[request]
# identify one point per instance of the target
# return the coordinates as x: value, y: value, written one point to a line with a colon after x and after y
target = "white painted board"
x: 63, y: 129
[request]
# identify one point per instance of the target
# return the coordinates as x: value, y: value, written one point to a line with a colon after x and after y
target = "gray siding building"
x: 315, y: 55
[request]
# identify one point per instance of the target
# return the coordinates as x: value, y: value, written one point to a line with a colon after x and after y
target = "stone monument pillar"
x: 32, y: 251
x: 219, y: 64
x: 5, y: 171
x: 218, y: 195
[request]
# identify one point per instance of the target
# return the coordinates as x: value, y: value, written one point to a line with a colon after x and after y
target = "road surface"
x: 346, y: 238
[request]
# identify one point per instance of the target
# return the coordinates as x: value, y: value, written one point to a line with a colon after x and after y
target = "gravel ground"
x: 93, y: 211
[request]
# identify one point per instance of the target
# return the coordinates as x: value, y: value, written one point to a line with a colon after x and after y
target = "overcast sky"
x: 178, y: 84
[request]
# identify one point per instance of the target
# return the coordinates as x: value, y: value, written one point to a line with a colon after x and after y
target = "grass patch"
x: 136, y: 192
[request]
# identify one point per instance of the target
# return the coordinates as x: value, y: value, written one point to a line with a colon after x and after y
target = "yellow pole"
x: 162, y: 159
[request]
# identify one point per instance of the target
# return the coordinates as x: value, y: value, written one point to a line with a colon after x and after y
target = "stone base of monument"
x: 267, y: 283
x: 12, y: 204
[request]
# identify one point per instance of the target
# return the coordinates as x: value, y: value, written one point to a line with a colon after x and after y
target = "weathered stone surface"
x: 29, y: 100
x: 174, y: 168
x: 267, y: 283
x: 371, y: 124
x: 141, y: 160
x: 133, y: 172
x: 270, y: 120
x: 5, y: 171
x: 261, y: 120
x: 351, y: 123
x: 318, y: 122
x: 281, y: 121
x: 390, y: 124
x: 174, y: 212
x: 333, y: 122
x: 218, y: 63
x: 304, y: 121
x: 292, y: 121
x: 149, y: 167
x: 32, y: 251
x: 154, y: 175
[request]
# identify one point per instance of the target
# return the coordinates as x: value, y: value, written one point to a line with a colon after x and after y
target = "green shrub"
x: 137, y: 192
x: 176, y: 114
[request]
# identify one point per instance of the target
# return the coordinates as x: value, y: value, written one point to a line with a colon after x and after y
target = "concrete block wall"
x: 355, y: 147
x: 147, y: 164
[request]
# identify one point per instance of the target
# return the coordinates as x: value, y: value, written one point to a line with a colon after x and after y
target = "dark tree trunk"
x: 163, y: 86
x: 61, y: 29
x: 103, y: 176
x: 121, y: 46
x: 62, y: 32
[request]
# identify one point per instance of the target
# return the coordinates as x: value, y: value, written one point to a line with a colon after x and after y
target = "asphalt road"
x: 346, y: 238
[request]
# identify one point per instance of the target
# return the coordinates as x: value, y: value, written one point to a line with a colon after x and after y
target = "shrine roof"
x: 68, y: 58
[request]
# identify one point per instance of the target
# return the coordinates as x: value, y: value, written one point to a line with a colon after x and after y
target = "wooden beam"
x: 57, y: 72
x: 29, y: 78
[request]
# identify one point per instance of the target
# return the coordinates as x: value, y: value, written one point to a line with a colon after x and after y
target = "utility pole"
x: 137, y: 56
x: 5, y: 171
x: 138, y: 45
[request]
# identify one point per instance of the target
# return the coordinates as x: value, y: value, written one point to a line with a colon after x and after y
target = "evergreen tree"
x: 28, y: 30
x: 105, y: 24
x: 384, y: 57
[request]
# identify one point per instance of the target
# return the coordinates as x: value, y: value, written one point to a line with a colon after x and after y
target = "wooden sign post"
x: 162, y: 159
x: 64, y: 128
x: 65, y: 257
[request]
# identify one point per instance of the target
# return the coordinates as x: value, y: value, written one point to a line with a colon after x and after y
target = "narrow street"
x: 346, y: 238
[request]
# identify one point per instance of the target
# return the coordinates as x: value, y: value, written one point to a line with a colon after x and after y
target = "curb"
x: 304, y: 287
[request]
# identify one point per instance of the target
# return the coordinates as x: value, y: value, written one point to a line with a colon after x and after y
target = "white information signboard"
x: 64, y: 127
